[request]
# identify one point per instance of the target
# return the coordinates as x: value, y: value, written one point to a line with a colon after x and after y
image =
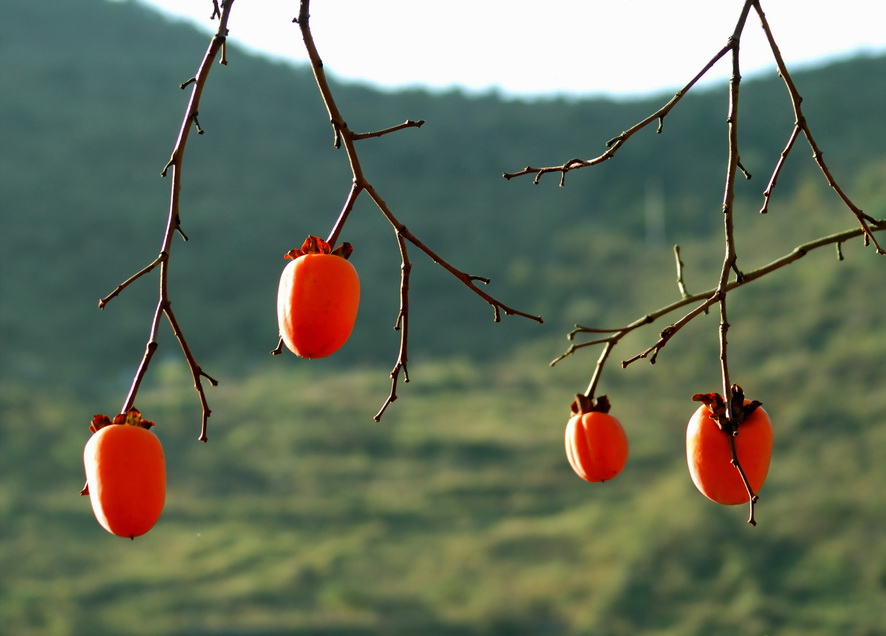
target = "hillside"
x: 458, y: 514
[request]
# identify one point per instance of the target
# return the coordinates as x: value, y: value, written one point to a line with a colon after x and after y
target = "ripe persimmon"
x: 317, y: 299
x: 125, y: 474
x: 596, y: 443
x: 709, y: 452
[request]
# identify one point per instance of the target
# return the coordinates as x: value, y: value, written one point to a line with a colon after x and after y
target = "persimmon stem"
x: 752, y: 496
x: 732, y: 168
x: 345, y: 212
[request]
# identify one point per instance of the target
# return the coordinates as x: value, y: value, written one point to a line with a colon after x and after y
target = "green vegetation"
x: 458, y: 514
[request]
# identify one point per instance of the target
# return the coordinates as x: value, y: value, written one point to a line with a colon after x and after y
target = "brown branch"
x: 800, y: 123
x: 409, y: 123
x: 344, y: 137
x: 616, y: 142
x: 732, y: 167
x: 681, y: 284
x: 709, y: 297
x: 146, y: 269
x: 767, y: 193
x: 197, y: 372
x: 752, y: 496
x: 173, y: 226
x: 401, y: 325
x: 351, y: 199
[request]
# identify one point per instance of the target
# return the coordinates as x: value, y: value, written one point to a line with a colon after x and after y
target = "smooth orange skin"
x: 710, y: 458
x: 126, y: 476
x: 317, y: 304
x: 596, y: 446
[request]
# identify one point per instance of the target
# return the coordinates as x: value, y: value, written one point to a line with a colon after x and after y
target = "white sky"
x: 530, y: 47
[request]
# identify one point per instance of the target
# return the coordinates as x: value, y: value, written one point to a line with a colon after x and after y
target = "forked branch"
x: 174, y: 165
x: 705, y: 298
x: 344, y: 137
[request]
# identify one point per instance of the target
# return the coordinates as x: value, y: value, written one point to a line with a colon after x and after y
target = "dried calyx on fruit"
x: 728, y: 451
x: 596, y: 443
x: 125, y: 474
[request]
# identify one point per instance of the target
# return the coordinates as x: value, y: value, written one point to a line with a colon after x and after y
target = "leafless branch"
x: 801, y: 124
x: 618, y: 141
x: 344, y: 138
x: 173, y: 226
x: 706, y: 298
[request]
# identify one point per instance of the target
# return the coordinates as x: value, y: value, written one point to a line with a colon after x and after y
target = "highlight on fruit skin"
x: 125, y: 474
x: 317, y: 299
x: 709, y: 454
x: 596, y: 442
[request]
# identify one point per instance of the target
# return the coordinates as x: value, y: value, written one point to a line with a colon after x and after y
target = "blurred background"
x: 457, y: 514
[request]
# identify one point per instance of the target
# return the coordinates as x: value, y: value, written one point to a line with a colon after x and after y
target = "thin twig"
x: 401, y: 324
x: 800, y: 123
x: 616, y: 142
x: 409, y: 123
x: 752, y: 496
x: 681, y: 284
x: 708, y: 297
x: 767, y: 193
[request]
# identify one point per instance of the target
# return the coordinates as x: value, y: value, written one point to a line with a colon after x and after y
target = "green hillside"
x: 458, y: 514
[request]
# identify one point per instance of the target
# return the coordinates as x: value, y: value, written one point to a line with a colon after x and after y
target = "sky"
x: 543, y: 47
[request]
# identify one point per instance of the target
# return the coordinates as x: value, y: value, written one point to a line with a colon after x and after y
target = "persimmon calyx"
x: 316, y: 245
x: 741, y: 411
x: 586, y: 404
x: 132, y: 417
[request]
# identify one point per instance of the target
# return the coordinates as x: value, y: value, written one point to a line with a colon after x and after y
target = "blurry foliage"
x: 458, y: 514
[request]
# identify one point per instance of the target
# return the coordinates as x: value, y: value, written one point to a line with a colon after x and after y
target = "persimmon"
x: 125, y: 474
x: 596, y: 442
x: 317, y: 299
x: 709, y: 452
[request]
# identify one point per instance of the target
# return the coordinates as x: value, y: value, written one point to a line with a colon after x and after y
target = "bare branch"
x: 800, y: 123
x: 409, y: 123
x: 173, y: 226
x: 616, y: 142
x: 401, y: 324
x: 708, y: 298
x: 344, y: 137
x: 681, y: 285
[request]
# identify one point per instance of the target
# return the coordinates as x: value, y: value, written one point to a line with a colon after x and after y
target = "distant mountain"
x: 91, y: 106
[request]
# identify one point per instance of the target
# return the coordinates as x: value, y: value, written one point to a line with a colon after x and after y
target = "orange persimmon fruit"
x: 709, y: 454
x: 125, y: 474
x: 317, y: 299
x: 596, y: 442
